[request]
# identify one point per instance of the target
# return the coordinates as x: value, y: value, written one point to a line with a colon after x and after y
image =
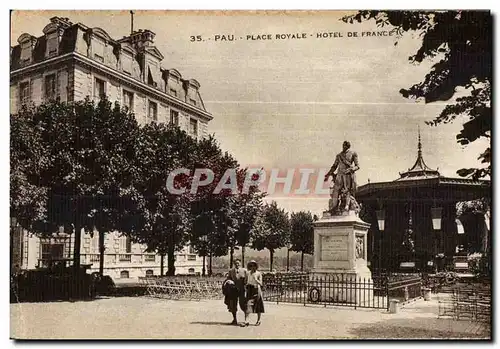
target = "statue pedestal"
x: 340, y: 244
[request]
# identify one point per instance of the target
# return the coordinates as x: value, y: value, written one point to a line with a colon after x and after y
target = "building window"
x: 193, y: 127
x: 193, y: 102
x: 127, y: 64
x: 128, y: 100
x: 52, y: 44
x: 173, y: 92
x: 153, y: 111
x: 174, y: 117
x: 50, y: 87
x: 124, y: 274
x: 149, y: 272
x: 150, y: 258
x: 24, y: 92
x: 191, y: 270
x: 26, y: 51
x: 95, y: 243
x: 52, y: 251
x: 191, y: 257
x: 98, y: 50
x: 128, y: 245
x: 99, y: 88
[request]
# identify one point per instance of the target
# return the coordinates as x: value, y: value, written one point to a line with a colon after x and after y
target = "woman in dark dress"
x: 255, y: 303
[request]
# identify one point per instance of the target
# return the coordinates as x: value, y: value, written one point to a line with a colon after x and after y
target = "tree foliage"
x: 271, y: 229
x: 461, y: 42
x: 76, y: 158
x: 302, y: 233
x: 160, y: 218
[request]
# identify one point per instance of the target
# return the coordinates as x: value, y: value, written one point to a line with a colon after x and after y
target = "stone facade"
x: 72, y: 62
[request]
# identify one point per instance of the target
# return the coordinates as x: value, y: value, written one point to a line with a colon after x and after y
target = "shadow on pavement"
x: 413, y: 329
x: 212, y: 323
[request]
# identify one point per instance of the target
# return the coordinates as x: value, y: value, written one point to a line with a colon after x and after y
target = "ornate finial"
x: 419, y: 143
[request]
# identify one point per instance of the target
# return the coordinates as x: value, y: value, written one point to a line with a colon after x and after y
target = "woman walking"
x: 255, y: 303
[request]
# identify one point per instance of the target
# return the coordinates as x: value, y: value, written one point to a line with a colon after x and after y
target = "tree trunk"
x: 231, y: 256
x: 102, y: 248
x: 171, y: 260
x: 302, y: 262
x: 485, y: 231
x: 162, y: 264
x: 271, y: 254
x: 76, y: 263
x: 243, y: 255
x: 77, y: 248
x: 210, y: 265
x: 287, y: 259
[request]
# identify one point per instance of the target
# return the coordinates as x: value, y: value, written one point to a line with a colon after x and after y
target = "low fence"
x: 338, y: 289
x: 342, y: 289
x: 466, y: 302
x: 183, y: 288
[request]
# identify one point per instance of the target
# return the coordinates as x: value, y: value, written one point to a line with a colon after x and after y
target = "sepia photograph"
x: 250, y: 174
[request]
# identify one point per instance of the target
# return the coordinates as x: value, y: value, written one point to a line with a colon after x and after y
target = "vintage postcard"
x: 250, y: 174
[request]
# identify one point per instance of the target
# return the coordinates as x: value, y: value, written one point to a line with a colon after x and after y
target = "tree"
x: 271, y: 230
x: 76, y: 168
x: 114, y: 132
x: 302, y: 234
x: 463, y: 42
x: 248, y: 206
x: 213, y: 206
x: 161, y: 217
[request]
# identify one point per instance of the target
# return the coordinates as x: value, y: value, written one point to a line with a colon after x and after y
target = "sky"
x: 290, y: 103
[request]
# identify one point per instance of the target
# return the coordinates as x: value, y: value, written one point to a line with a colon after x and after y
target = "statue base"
x: 340, y: 258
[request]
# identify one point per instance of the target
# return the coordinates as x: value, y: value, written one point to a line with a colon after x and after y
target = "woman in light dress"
x: 255, y: 303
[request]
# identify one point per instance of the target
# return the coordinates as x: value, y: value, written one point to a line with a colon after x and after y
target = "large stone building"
x: 72, y: 61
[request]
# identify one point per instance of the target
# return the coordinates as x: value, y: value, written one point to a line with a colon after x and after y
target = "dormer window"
x: 153, y: 74
x: 52, y: 44
x: 26, y: 43
x: 98, y: 50
x: 127, y: 64
x: 173, y: 92
x: 26, y: 52
x: 193, y: 101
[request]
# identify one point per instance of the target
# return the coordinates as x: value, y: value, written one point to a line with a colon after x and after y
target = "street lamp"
x: 381, y: 219
x: 204, y: 238
x: 381, y: 226
x: 436, y: 215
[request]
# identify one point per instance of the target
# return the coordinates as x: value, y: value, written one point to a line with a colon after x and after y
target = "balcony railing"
x: 125, y: 257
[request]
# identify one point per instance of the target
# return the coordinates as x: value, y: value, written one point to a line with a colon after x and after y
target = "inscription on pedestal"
x: 334, y: 248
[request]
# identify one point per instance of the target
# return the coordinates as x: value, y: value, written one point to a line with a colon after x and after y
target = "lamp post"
x: 381, y: 226
x: 436, y: 216
x: 204, y: 239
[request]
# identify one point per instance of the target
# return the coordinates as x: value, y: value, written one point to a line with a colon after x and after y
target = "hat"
x: 252, y: 262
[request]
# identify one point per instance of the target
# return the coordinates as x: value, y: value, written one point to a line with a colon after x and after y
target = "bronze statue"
x: 344, y: 181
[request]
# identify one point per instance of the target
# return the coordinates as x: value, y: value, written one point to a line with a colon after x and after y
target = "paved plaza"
x: 148, y: 318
